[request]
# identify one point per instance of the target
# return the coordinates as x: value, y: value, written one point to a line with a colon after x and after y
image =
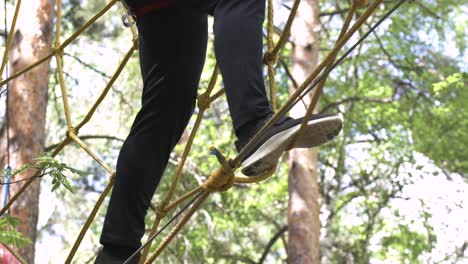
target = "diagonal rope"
x: 67, y: 42
x: 156, y: 234
x: 67, y: 140
x: 300, y: 90
x: 312, y: 106
x: 351, y: 49
x: 178, y: 226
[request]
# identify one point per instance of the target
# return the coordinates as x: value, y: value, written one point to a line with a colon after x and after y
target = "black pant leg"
x: 172, y: 54
x: 238, y: 46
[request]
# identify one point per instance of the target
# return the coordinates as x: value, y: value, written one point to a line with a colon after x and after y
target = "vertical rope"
x: 270, y: 57
x: 6, y: 189
x: 10, y: 37
x: 59, y: 58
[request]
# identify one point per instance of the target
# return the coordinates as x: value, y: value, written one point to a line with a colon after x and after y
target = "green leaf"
x: 9, y: 234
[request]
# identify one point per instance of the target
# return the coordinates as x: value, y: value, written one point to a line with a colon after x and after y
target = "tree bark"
x: 304, y: 207
x: 27, y: 108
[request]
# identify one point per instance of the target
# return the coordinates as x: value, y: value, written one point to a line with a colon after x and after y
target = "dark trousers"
x: 173, y: 45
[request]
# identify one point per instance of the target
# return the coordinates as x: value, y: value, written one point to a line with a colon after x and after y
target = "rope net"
x: 223, y: 178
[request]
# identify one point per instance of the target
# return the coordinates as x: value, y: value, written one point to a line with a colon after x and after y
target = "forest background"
x: 393, y: 186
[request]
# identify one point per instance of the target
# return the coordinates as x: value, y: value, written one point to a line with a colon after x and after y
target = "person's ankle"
x: 250, y: 128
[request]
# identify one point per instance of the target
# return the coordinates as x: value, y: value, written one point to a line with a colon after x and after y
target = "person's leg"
x: 172, y: 54
x: 238, y: 47
x: 238, y: 50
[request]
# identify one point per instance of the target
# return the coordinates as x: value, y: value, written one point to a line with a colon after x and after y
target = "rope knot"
x: 270, y: 58
x: 57, y: 49
x: 71, y: 131
x: 161, y: 210
x: 222, y: 179
x: 161, y: 213
x: 112, y: 177
x: 204, y: 101
x: 361, y: 3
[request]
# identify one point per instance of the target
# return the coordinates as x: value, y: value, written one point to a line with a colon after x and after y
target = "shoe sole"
x: 317, y: 132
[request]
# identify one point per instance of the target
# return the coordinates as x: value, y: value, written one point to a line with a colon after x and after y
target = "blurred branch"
x: 87, y: 65
x: 272, y: 241
x: 390, y: 57
x: 427, y: 9
x: 460, y: 251
x: 288, y: 72
x: 75, y: 80
x: 238, y: 258
x: 356, y: 99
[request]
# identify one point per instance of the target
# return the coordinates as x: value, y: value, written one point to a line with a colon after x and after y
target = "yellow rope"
x: 111, y: 82
x: 256, y: 179
x: 360, y: 3
x: 270, y: 58
x: 189, y: 144
x: 90, y: 219
x: 183, y: 198
x: 177, y: 227
x: 318, y: 90
x: 14, y: 253
x: 287, y: 29
x: 282, y: 111
x: 63, y: 86
x: 221, y: 179
x: 11, y: 33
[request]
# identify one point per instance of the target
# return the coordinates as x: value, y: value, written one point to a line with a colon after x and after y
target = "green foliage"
x: 52, y: 167
x: 440, y: 129
x: 409, y: 245
x: 8, y: 233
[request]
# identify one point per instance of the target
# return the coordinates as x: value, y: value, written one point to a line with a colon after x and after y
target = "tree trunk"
x: 304, y: 208
x: 27, y: 108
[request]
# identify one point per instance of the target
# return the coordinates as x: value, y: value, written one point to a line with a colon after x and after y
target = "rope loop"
x: 57, y: 49
x: 161, y: 213
x: 361, y: 3
x: 71, y: 131
x: 204, y: 101
x: 161, y: 210
x: 221, y: 180
x: 270, y: 58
